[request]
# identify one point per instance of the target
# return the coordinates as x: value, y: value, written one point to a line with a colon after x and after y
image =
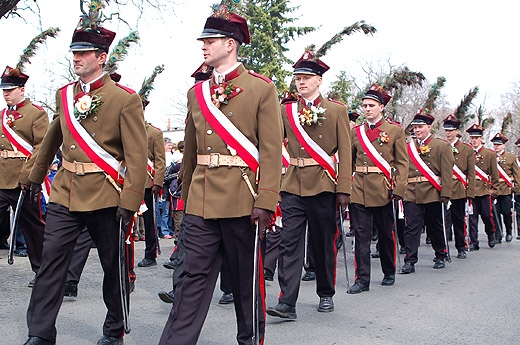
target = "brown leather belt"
x: 215, y: 160
x: 502, y: 180
x: 80, y: 168
x: 366, y: 169
x: 12, y: 154
x: 303, y: 162
x: 418, y: 179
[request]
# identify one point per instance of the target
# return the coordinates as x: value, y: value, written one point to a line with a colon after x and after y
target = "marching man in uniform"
x: 312, y: 189
x: 100, y: 184
x: 230, y: 180
x: 428, y: 191
x: 463, y: 184
x: 381, y: 175
x: 509, y: 172
x: 486, y: 182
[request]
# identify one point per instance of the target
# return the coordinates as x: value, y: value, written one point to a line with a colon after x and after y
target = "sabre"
x: 306, y: 256
x: 396, y: 235
x: 466, y: 227
x: 14, y: 223
x: 256, y: 321
x: 155, y: 224
x: 513, y: 212
x: 448, y: 257
x: 344, y: 237
x: 497, y: 217
x: 123, y: 275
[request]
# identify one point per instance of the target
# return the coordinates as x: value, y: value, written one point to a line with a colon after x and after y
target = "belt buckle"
x: 300, y: 162
x: 4, y: 154
x: 214, y: 160
x: 364, y: 169
x: 80, y: 171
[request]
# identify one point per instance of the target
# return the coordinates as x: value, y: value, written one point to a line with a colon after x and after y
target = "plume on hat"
x: 433, y: 94
x: 119, y: 52
x: 30, y: 51
x: 93, y: 18
x: 147, y: 86
x: 225, y: 8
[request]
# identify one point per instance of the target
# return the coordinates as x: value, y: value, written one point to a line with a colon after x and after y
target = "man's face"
x: 475, y: 141
x: 499, y: 147
x: 14, y: 96
x: 373, y: 109
x: 168, y: 147
x: 215, y: 50
x: 87, y: 65
x: 451, y: 134
x: 307, y: 85
x: 421, y: 131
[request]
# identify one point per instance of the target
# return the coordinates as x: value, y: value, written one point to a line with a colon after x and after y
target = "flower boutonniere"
x: 478, y: 157
x: 10, y: 120
x: 314, y: 114
x: 383, y: 138
x: 222, y: 94
x: 86, y: 105
x: 501, y: 159
x: 425, y: 150
x: 455, y: 150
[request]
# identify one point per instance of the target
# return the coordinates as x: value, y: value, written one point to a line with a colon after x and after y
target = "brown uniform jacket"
x: 486, y: 160
x: 465, y: 160
x: 119, y: 128
x: 509, y: 163
x: 31, y: 123
x: 222, y: 192
x: 371, y: 189
x: 333, y: 136
x: 440, y: 161
x: 156, y: 154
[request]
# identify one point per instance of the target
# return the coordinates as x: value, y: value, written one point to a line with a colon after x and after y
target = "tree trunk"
x: 6, y: 6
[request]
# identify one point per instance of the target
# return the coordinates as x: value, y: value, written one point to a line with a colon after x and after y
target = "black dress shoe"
x: 132, y: 286
x: 428, y: 240
x: 4, y: 246
x: 71, y: 289
x: 326, y: 305
x: 106, y: 340
x: 388, y: 280
x: 462, y: 255
x: 147, y: 262
x: 166, y: 297
x: 408, y: 268
x: 375, y: 255
x: 309, y: 276
x: 402, y: 250
x: 509, y: 238
x: 268, y: 275
x: 439, y: 263
x: 38, y: 341
x: 283, y: 311
x: 21, y: 253
x: 226, y: 298
x: 31, y: 282
x: 474, y: 247
x: 491, y: 241
x: 358, y: 288
x: 171, y: 265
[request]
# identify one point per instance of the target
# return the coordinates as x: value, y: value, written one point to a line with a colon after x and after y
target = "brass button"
x: 209, y: 132
x: 208, y: 149
x: 72, y: 147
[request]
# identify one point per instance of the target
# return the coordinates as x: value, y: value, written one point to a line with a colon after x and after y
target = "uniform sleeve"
x: 447, y: 161
x: 470, y: 176
x: 345, y: 153
x: 495, y: 179
x: 189, y: 159
x: 159, y: 158
x: 39, y: 128
x: 401, y: 164
x: 516, y: 176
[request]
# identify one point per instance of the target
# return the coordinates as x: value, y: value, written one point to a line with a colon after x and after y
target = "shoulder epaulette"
x: 394, y: 122
x: 64, y: 86
x: 39, y: 107
x: 337, y: 102
x: 443, y: 139
x: 264, y: 78
x: 469, y: 145
x: 361, y: 124
x: 200, y: 81
x: 126, y: 88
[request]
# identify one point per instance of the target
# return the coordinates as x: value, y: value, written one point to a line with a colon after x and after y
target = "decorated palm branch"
x: 226, y: 7
x: 433, y: 94
x: 147, y: 86
x: 461, y: 112
x: 120, y: 51
x: 506, y: 122
x: 30, y: 51
x: 484, y: 122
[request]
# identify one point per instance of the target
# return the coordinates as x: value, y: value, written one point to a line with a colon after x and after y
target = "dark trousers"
x: 482, y: 207
x: 30, y: 222
x: 273, y: 238
x: 456, y: 222
x: 363, y: 219
x: 206, y: 241
x: 61, y: 232
x: 416, y: 217
x: 319, y: 213
x: 503, y: 212
x: 150, y: 231
x: 517, y: 211
x: 79, y: 256
x: 309, y: 264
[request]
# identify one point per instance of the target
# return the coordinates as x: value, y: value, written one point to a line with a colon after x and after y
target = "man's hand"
x: 126, y: 217
x: 156, y: 190
x: 263, y: 217
x: 396, y: 197
x: 342, y: 201
x: 445, y: 200
x: 36, y: 190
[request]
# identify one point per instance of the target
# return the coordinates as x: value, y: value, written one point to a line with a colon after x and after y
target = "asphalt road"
x: 472, y: 301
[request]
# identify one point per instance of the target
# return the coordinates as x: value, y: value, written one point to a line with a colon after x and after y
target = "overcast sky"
x: 471, y: 43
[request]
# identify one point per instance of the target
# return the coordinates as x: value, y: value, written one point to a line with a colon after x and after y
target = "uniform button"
x: 301, y: 148
x: 14, y: 127
x: 320, y: 124
x: 209, y: 132
x: 3, y: 135
x: 94, y: 118
x: 3, y: 145
x: 93, y: 135
x: 320, y: 136
x: 208, y: 149
x: 230, y: 114
x: 72, y: 147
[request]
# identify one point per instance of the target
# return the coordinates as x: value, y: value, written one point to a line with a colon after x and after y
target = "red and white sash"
x: 46, y: 189
x: 286, y: 159
x: 460, y: 175
x: 150, y: 167
x: 94, y: 151
x: 314, y: 150
x: 503, y: 175
x: 18, y: 143
x: 225, y: 128
x: 421, y: 166
x: 372, y: 153
x: 483, y: 176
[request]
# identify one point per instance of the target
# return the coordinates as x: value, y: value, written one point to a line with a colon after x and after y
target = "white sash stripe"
x: 423, y: 165
x: 21, y: 141
x: 373, y: 150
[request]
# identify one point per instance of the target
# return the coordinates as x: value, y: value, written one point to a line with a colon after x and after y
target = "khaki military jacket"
x: 156, y: 154
x: 118, y: 127
x: 31, y: 123
x: 222, y: 192
x: 509, y: 163
x: 465, y: 159
x: 372, y: 188
x: 440, y: 161
x: 486, y: 160
x: 332, y: 136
